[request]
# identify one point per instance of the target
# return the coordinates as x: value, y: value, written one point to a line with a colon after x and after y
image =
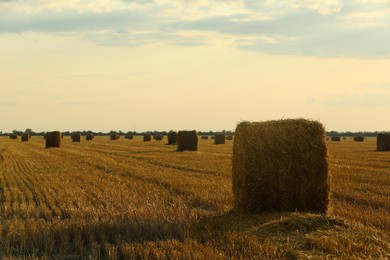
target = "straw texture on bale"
x: 219, y: 139
x: 335, y: 138
x: 114, y: 137
x: 147, y: 137
x: 172, y: 138
x: 53, y: 139
x: 76, y: 138
x: 358, y: 139
x: 187, y: 140
x: 13, y: 136
x: 383, y: 142
x: 25, y: 137
x: 89, y: 137
x: 204, y: 137
x: 281, y: 166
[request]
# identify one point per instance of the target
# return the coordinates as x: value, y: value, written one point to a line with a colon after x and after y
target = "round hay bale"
x: 281, y: 166
x: 89, y: 137
x: 76, y: 138
x: 335, y: 138
x: 158, y: 137
x: 114, y: 137
x: 383, y: 142
x: 25, y: 137
x: 53, y: 139
x: 358, y: 139
x: 219, y: 139
x: 187, y: 141
x: 13, y: 136
x: 205, y: 137
x: 129, y: 136
x: 147, y: 137
x: 172, y: 138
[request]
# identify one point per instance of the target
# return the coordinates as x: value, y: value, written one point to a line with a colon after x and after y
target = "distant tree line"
x: 226, y: 132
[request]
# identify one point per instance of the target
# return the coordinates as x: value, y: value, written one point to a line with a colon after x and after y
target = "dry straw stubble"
x: 187, y: 140
x: 53, y: 139
x: 281, y: 166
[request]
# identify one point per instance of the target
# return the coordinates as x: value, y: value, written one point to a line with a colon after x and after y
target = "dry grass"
x: 129, y: 200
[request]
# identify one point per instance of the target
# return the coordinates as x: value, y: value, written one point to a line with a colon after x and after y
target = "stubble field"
x: 129, y: 199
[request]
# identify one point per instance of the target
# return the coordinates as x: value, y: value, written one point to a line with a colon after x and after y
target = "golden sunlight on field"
x: 126, y: 199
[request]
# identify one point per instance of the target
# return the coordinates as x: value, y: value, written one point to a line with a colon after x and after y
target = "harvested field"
x: 126, y: 200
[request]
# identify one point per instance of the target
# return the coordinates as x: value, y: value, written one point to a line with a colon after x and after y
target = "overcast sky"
x: 195, y: 64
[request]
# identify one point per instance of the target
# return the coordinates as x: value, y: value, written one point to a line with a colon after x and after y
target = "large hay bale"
x: 89, y: 137
x: 147, y: 137
x: 25, y: 137
x: 114, y: 137
x: 281, y: 166
x: 53, y: 139
x: 158, y: 137
x: 13, y: 136
x: 187, y: 140
x: 358, y: 139
x: 219, y: 139
x: 383, y: 142
x: 172, y: 138
x: 76, y: 138
x: 335, y: 138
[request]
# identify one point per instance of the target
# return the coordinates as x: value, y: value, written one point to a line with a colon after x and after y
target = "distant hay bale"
x: 187, y: 140
x: 53, y: 139
x: 358, y: 139
x: 76, y: 138
x: 204, y: 137
x: 383, y: 142
x: 158, y: 137
x: 13, y: 136
x: 335, y: 138
x: 147, y: 137
x: 212, y: 138
x: 229, y: 137
x: 172, y: 138
x: 219, y: 139
x: 114, y: 137
x: 129, y: 136
x: 281, y: 166
x: 25, y: 137
x: 89, y: 137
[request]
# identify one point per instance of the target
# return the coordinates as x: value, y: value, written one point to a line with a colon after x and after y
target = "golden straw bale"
x: 76, y: 138
x: 89, y: 137
x: 158, y: 137
x: 358, y: 139
x: 53, y: 139
x: 129, y: 136
x: 172, y: 138
x: 335, y: 138
x: 114, y: 137
x: 13, y: 136
x: 281, y: 166
x: 204, y: 137
x: 147, y: 137
x: 25, y: 137
x: 219, y: 138
x: 383, y: 142
x: 187, y: 140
